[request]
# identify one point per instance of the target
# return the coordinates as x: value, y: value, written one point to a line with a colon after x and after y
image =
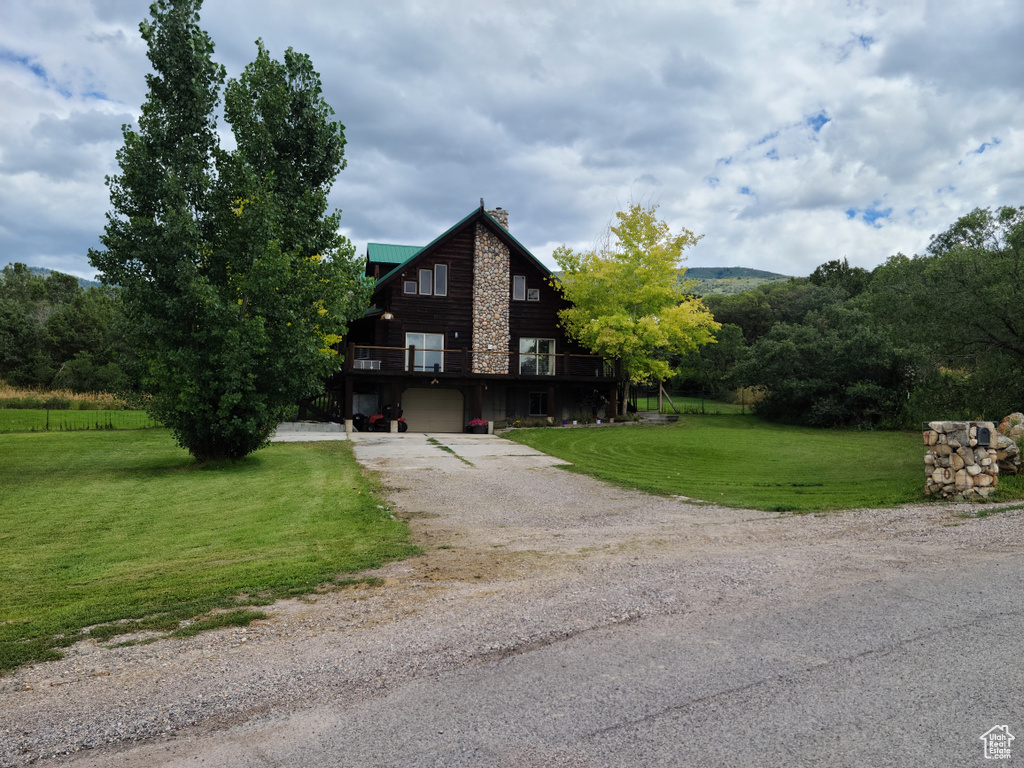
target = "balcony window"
x: 429, y: 351
x: 536, y: 357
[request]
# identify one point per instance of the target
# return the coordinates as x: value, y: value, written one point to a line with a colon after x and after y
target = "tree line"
x: 55, y: 334
x: 937, y: 335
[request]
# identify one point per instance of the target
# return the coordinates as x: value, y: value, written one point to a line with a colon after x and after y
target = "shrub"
x: 746, y: 396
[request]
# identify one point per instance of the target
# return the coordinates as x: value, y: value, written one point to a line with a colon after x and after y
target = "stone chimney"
x: 491, y: 339
x: 500, y: 215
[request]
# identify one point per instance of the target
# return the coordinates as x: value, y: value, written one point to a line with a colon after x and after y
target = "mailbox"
x: 984, y: 436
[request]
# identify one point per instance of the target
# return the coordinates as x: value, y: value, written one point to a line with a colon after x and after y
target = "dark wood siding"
x: 536, y: 319
x: 451, y: 314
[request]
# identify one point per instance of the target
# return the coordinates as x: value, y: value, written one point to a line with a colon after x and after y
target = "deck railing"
x: 413, y: 360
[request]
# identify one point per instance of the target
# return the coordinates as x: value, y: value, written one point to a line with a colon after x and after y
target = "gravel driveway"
x: 517, y: 554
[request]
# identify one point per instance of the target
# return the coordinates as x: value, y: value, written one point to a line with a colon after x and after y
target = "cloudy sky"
x: 789, y: 133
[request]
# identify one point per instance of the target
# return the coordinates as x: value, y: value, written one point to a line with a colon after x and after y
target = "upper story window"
x: 520, y: 292
x: 429, y: 281
x: 519, y: 287
x: 440, y: 279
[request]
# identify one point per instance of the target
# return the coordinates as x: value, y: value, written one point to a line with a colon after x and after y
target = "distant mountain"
x: 729, y: 280
x: 86, y: 284
x: 724, y: 280
x: 724, y: 273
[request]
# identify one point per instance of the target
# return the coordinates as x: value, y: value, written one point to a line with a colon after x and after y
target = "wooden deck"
x: 374, y: 362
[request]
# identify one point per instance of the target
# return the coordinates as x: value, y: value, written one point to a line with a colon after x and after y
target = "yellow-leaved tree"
x: 627, y: 299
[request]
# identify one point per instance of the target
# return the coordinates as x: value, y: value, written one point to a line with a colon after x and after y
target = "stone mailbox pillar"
x: 960, y: 462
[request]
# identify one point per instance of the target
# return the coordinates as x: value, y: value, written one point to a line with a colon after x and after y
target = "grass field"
x: 40, y: 420
x: 741, y: 461
x: 58, y: 399
x: 101, y: 527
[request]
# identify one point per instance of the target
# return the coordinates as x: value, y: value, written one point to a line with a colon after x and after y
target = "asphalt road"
x: 906, y: 671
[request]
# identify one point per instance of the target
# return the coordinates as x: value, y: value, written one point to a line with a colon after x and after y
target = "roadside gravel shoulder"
x: 517, y: 554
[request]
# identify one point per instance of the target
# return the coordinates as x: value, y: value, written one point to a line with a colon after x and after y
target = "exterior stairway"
x: 653, y: 417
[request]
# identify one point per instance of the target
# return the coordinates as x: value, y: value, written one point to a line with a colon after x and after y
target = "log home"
x: 466, y: 328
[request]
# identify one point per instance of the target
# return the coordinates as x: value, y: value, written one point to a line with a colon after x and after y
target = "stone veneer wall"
x: 956, y: 465
x: 491, y: 295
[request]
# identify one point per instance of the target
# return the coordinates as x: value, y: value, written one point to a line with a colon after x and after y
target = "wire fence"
x: 683, y: 404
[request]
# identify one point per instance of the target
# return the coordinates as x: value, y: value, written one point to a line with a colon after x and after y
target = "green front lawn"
x: 98, y: 527
x: 741, y: 461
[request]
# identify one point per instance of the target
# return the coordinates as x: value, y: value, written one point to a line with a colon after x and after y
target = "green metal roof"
x: 382, y: 253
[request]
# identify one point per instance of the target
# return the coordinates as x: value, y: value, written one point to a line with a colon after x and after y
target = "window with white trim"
x: 429, y: 352
x: 440, y: 279
x: 519, y: 287
x: 428, y: 281
x: 536, y: 357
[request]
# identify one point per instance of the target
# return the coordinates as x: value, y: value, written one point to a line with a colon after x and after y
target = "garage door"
x: 433, y: 410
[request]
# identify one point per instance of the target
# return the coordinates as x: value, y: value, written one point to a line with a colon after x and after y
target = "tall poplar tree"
x: 235, y: 279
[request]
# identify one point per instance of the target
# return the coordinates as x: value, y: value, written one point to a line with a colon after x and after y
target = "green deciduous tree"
x: 23, y: 310
x: 966, y: 295
x: 710, y: 371
x: 839, y: 274
x: 626, y: 300
x: 235, y: 279
x: 53, y: 333
x: 758, y: 310
x: 960, y: 309
x: 834, y: 369
x: 85, y: 338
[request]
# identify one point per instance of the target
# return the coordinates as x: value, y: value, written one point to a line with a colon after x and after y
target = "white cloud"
x: 760, y: 125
